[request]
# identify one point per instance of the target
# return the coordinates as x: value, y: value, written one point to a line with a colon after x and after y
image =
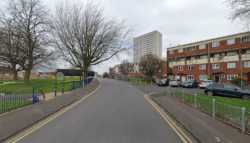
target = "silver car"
x: 175, y: 82
x: 205, y: 83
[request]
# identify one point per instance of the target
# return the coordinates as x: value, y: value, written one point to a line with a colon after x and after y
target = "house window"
x: 7, y: 74
x: 248, y: 51
x: 190, y: 48
x: 202, y: 67
x: 203, y: 46
x: 247, y: 64
x: 203, y: 57
x: 216, y: 44
x: 231, y: 65
x: 216, y: 66
x: 232, y: 53
x: 140, y: 71
x: 190, y: 67
x: 41, y: 73
x: 230, y: 41
x: 245, y: 39
x: 171, y: 52
x: 190, y: 77
x: 192, y: 58
x: 223, y: 76
x: 216, y: 55
x: 231, y: 77
x: 222, y: 54
x: 180, y: 50
x: 180, y: 68
x: 203, y: 77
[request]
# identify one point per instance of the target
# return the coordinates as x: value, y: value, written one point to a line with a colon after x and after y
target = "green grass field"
x: 224, y: 100
x: 45, y: 84
x: 12, y: 105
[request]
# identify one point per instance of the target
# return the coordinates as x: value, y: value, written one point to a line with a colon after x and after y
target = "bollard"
x: 33, y: 95
x: 213, y: 107
x: 151, y: 83
x: 183, y: 96
x: 243, y: 119
x: 174, y: 93
x: 195, y: 100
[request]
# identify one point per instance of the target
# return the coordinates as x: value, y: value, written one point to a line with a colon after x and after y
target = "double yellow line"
x: 177, y: 130
x: 29, y: 131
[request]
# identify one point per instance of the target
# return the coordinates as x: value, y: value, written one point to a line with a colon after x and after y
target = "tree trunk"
x: 14, y: 71
x: 27, y: 76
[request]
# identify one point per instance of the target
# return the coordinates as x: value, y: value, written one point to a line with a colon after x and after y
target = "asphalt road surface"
x: 116, y: 112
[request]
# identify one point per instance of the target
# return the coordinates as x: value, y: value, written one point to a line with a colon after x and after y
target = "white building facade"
x: 148, y: 43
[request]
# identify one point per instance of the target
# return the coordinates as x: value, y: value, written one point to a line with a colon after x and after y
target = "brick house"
x: 217, y: 58
x: 111, y: 72
x: 6, y: 73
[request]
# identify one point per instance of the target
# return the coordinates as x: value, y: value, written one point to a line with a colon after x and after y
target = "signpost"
x: 59, y: 76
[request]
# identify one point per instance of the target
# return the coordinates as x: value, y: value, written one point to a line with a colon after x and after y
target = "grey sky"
x: 179, y: 21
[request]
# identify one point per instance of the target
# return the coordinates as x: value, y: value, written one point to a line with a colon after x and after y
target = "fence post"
x: 33, y: 95
x: 183, y: 96
x: 243, y: 119
x: 195, y: 101
x: 140, y: 81
x: 136, y: 80
x: 174, y: 93
x: 213, y: 107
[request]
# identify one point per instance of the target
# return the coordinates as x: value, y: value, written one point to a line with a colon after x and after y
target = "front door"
x: 248, y: 78
x: 171, y: 77
x: 183, y: 78
x: 217, y: 78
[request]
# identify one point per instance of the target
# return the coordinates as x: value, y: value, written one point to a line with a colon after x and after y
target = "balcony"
x: 224, y: 59
x: 245, y: 57
x: 198, y: 61
x: 179, y: 63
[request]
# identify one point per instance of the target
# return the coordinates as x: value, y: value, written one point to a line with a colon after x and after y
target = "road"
x: 116, y: 112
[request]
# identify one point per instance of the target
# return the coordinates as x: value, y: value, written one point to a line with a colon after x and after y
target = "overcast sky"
x: 179, y: 21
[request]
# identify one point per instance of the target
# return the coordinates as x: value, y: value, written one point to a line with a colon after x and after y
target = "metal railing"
x: 77, y: 84
x: 17, y: 99
x: 232, y: 115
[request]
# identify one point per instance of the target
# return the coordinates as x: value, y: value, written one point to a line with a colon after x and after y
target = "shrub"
x: 209, y: 78
x: 237, y: 81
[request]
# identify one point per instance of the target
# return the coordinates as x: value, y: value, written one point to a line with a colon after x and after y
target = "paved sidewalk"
x: 13, y: 122
x: 206, y: 128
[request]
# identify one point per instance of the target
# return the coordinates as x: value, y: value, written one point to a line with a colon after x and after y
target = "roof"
x: 209, y: 40
x: 5, y: 70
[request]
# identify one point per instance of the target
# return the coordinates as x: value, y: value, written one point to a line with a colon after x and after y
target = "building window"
x: 203, y: 77
x: 231, y: 65
x: 232, y: 53
x: 245, y: 39
x: 180, y: 50
x: 180, y: 68
x: 216, y: 44
x: 202, y: 67
x: 41, y: 73
x: 190, y: 48
x: 192, y: 58
x: 223, y: 76
x: 190, y: 67
x: 222, y: 54
x: 171, y: 52
x: 203, y: 46
x: 247, y: 64
x: 216, y: 66
x: 231, y: 77
x: 216, y: 55
x: 230, y: 41
x: 7, y: 74
x: 190, y: 77
x: 140, y: 71
x: 203, y: 57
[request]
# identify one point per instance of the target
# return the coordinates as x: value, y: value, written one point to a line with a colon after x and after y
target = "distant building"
x: 47, y: 74
x: 111, y: 72
x: 6, y: 73
x: 148, y: 43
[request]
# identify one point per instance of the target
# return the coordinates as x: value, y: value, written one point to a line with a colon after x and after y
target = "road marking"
x: 32, y: 129
x: 168, y: 120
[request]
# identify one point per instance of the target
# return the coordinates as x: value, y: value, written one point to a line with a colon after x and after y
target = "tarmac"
x: 203, y: 126
x: 18, y: 120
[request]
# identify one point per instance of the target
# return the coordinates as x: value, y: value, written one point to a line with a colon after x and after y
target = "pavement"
x: 16, y: 121
x: 204, y: 127
x: 116, y: 112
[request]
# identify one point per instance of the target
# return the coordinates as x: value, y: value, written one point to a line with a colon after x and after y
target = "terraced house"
x: 217, y: 58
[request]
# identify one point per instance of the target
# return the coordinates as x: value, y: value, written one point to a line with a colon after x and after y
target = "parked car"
x: 175, y: 82
x: 163, y: 82
x: 190, y: 83
x: 205, y: 83
x: 227, y: 90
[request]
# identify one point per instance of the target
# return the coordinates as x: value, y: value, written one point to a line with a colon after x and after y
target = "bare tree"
x: 152, y: 64
x: 239, y: 11
x: 124, y: 67
x: 85, y: 36
x: 32, y: 26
